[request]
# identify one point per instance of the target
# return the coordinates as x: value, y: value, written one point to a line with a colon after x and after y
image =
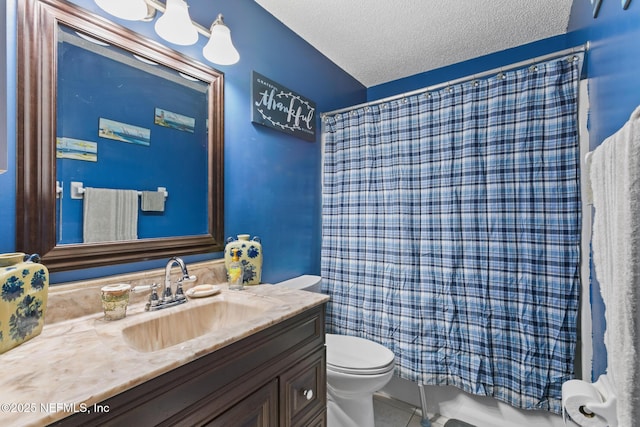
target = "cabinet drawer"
x: 303, y: 390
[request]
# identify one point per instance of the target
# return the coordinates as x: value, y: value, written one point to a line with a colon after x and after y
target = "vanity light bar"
x: 176, y: 26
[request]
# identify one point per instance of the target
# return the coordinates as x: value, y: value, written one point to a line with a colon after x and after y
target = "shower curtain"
x: 451, y: 232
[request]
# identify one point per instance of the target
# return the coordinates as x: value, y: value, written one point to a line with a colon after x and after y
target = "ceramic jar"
x: 24, y: 287
x: 249, y: 254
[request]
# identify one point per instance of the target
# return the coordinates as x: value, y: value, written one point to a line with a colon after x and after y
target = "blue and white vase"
x: 24, y: 287
x: 249, y: 254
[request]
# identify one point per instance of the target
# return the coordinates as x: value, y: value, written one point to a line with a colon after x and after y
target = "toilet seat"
x: 357, y: 356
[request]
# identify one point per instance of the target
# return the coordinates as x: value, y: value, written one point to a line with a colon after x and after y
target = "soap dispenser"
x: 234, y: 272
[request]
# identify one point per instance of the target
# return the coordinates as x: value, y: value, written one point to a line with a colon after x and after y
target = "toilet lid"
x: 354, y: 355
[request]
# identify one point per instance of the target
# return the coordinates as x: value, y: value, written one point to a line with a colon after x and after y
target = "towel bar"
x: 77, y: 190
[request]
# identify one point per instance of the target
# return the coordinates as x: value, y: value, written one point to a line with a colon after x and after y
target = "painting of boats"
x: 174, y: 120
x: 124, y: 132
x: 76, y: 149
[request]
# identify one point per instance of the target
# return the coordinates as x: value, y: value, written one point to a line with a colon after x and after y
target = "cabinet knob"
x: 308, y: 394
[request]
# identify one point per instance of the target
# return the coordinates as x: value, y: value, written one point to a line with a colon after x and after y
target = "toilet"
x: 356, y: 368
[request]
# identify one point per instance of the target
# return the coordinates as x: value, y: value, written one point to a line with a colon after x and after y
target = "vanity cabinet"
x: 275, y: 377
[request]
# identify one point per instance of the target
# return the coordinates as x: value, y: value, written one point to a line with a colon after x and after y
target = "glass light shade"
x: 219, y: 49
x: 131, y: 10
x: 175, y: 25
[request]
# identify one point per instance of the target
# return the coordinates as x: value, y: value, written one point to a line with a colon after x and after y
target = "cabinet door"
x: 259, y: 409
x: 304, y: 391
x: 319, y: 421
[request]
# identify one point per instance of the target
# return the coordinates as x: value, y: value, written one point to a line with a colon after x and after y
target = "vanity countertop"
x: 78, y: 363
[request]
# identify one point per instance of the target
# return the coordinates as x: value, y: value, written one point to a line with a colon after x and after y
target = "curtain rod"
x: 537, y: 59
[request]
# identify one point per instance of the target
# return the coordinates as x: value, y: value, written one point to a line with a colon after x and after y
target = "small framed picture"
x: 172, y: 120
x: 124, y: 132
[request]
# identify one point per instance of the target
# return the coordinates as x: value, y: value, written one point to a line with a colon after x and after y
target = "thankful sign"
x: 279, y: 108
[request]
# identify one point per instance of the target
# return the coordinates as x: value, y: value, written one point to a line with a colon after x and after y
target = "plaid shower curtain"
x: 451, y: 232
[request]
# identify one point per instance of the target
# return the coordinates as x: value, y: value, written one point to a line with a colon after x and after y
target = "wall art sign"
x: 277, y: 107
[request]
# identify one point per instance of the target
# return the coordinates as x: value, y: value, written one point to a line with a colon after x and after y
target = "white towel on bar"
x: 615, y: 182
x: 110, y: 215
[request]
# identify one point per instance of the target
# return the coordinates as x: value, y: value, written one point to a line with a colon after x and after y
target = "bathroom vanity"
x: 275, y: 377
x: 254, y: 357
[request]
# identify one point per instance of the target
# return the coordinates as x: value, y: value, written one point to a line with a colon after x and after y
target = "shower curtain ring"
x: 534, y: 65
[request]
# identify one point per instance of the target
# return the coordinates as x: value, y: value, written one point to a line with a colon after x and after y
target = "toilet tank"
x: 306, y: 282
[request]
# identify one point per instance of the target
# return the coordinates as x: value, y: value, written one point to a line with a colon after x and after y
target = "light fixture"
x: 91, y: 39
x: 219, y: 49
x: 175, y: 26
x: 145, y: 60
x: 131, y: 10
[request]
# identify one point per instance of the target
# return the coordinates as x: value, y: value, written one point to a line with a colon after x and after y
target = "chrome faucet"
x: 167, y: 294
x: 167, y: 297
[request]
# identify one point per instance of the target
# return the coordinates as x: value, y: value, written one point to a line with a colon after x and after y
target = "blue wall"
x: 8, y: 179
x: 3, y: 92
x: 272, y: 180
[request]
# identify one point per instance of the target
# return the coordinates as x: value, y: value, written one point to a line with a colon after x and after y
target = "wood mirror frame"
x: 36, y: 135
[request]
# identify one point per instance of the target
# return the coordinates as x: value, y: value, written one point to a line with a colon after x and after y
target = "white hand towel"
x: 615, y: 182
x: 110, y: 215
x: 152, y: 201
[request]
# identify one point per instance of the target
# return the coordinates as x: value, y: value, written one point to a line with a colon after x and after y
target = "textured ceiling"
x: 377, y: 41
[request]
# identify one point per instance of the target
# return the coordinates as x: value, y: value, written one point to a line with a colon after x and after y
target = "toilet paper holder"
x: 607, y: 409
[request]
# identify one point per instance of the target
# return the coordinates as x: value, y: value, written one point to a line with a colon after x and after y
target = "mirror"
x: 127, y: 123
x: 100, y: 107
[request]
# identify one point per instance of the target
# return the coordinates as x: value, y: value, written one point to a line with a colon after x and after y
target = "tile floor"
x: 390, y: 412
